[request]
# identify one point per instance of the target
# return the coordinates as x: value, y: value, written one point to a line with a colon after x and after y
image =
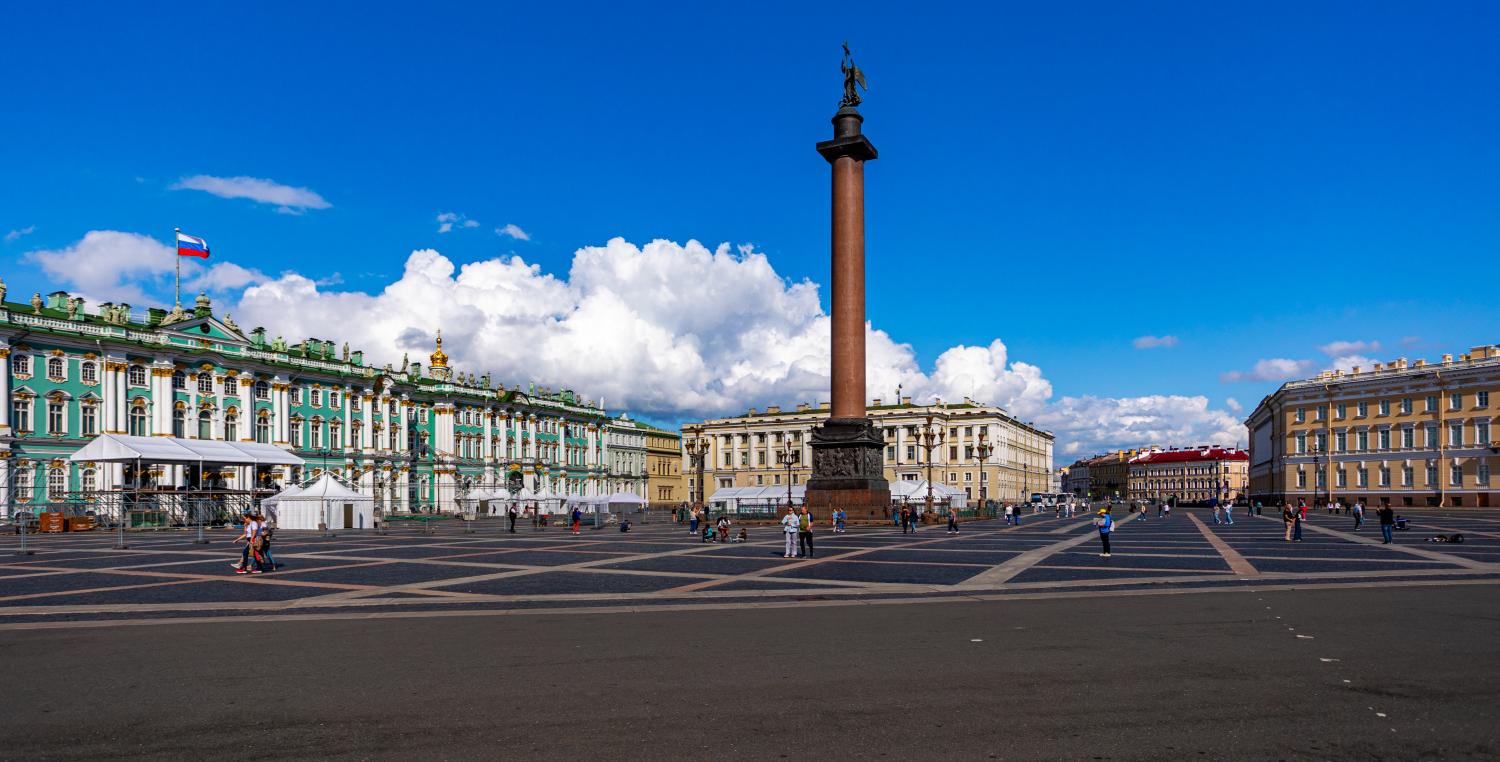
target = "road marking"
x: 1237, y: 563
x: 1009, y: 569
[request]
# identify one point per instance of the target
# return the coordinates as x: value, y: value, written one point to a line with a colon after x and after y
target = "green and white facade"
x: 416, y: 438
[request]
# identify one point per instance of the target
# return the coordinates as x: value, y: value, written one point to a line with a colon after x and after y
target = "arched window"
x: 179, y: 422
x: 317, y: 397
x: 88, y: 481
x: 89, y: 373
x: 262, y: 390
x: 137, y: 420
x: 179, y: 380
x: 56, y: 367
x: 205, y: 424
x: 263, y: 428
x: 205, y: 383
x: 136, y: 375
x: 20, y: 364
x: 22, y: 484
x: 57, y: 484
x: 231, y: 426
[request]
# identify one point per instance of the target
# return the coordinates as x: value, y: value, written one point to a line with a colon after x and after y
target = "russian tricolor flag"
x: 188, y: 246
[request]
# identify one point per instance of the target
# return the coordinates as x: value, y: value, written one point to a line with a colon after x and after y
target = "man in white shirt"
x: 790, y: 525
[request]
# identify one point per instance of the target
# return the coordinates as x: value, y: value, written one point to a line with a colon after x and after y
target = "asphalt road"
x: 1362, y: 673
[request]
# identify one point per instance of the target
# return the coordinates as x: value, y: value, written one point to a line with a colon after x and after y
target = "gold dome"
x: 439, y: 358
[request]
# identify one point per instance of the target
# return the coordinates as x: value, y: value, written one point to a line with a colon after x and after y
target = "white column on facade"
x: 367, y: 413
x: 531, y: 432
x: 281, y: 410
x: 348, y: 433
x: 4, y: 409
x: 225, y: 384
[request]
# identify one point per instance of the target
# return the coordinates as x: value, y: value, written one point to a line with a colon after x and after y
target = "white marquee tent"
x: 325, y: 501
x: 121, y: 448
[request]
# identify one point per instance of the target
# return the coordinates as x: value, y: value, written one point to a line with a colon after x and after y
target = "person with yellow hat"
x: 1106, y: 524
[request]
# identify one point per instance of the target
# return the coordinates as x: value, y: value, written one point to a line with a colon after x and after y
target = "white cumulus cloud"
x: 109, y: 265
x: 512, y: 230
x: 1087, y: 425
x: 288, y: 200
x: 18, y: 232
x: 447, y: 220
x: 1345, y: 348
x: 1272, y: 369
x: 1154, y: 342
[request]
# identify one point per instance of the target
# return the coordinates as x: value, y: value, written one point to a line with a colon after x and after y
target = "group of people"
x: 1293, y: 516
x: 797, y: 527
x: 255, y: 557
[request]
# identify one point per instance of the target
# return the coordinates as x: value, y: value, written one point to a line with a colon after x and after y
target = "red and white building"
x: 1191, y: 475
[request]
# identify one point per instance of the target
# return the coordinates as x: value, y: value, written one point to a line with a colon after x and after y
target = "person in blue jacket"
x: 1106, y: 524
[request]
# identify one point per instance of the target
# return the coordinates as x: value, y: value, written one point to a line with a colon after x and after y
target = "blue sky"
x: 1255, y: 182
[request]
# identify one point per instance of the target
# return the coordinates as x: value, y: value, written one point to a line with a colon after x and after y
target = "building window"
x: 1341, y: 478
x: 1362, y: 477
x: 1301, y: 480
x: 179, y: 380
x: 1432, y: 435
x: 1301, y: 415
x: 179, y: 423
x: 1432, y: 476
x: 89, y: 373
x: 1482, y: 474
x: 911, y: 452
x: 1456, y: 475
x: 296, y: 433
x: 1406, y: 405
x: 263, y: 429
x: 1408, y: 438
x: 1456, y: 401
x: 1318, y: 412
x: 136, y: 375
x: 56, y: 369
x: 336, y: 438
x: 1322, y: 439
x: 20, y: 365
x: 231, y: 427
x: 23, y: 483
x: 1456, y: 435
x: 1301, y: 442
x: 317, y: 398
x: 1385, y: 439
x: 205, y: 383
x: 333, y: 399
x: 89, y: 419
x: 1340, y: 411
x: 55, y: 425
x: 57, y: 484
x: 1481, y: 433
x: 1362, y: 410
x: 1385, y: 476
x: 1385, y: 407
x: 205, y: 425
x: 20, y: 415
x: 1322, y: 480
x: 137, y: 421
x: 1408, y: 474
x: 317, y: 432
x: 1432, y: 403
x: 88, y: 480
x: 1482, y: 399
x: 1341, y: 441
x: 262, y: 390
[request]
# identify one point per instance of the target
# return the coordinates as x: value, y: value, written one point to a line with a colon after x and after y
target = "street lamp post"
x: 789, y: 457
x: 697, y: 451
x: 982, y: 452
x: 930, y: 438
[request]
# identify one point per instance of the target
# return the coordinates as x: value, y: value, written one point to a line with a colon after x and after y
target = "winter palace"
x: 415, y: 437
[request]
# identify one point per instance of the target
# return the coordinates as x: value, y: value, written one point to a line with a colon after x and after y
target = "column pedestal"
x: 848, y: 470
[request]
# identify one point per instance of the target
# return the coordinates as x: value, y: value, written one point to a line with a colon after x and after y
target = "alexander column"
x: 847, y: 468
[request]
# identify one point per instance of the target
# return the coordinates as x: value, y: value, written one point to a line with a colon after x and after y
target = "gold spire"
x: 439, y: 358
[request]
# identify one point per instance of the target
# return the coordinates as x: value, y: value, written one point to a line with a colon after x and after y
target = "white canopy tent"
x: 486, y: 502
x: 731, y: 498
x: 122, y: 448
x: 323, y: 502
x: 916, y: 492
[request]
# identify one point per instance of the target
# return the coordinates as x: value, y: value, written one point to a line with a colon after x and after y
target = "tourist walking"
x: 1217, y: 511
x: 838, y: 520
x: 1288, y: 517
x: 1106, y: 524
x: 952, y: 521
x: 1359, y: 515
x: 693, y: 522
x: 510, y: 513
x: 789, y: 528
x: 249, y: 555
x: 804, y: 532
x: 1228, y: 512
x: 577, y: 519
x: 268, y: 561
x: 905, y: 519
x: 1387, y: 522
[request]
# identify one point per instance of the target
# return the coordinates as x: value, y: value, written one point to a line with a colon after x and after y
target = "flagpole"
x: 177, y: 283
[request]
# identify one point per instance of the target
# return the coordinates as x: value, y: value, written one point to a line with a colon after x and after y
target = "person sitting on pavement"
x: 743, y: 536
